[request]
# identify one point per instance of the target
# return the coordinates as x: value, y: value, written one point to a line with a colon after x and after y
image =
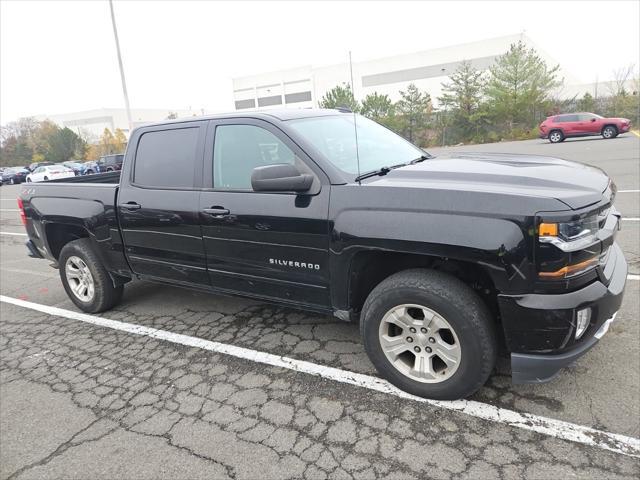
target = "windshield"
x: 334, y: 136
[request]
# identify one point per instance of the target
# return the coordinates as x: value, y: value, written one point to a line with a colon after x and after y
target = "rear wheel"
x: 556, y: 136
x: 12, y: 181
x: 609, y: 132
x: 28, y: 180
x: 46, y: 179
x: 85, y: 279
x: 429, y: 334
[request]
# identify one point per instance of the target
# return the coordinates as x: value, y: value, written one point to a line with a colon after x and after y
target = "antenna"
x: 355, y: 127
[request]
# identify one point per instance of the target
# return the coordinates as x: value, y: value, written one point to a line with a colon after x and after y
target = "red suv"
x: 559, y: 127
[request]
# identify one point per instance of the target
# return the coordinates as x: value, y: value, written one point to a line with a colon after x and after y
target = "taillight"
x: 23, y: 217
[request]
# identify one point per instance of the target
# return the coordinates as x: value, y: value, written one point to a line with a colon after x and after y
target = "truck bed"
x: 109, y: 177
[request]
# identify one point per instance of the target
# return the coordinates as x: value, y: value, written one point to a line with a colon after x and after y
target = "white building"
x: 304, y: 87
x: 91, y: 123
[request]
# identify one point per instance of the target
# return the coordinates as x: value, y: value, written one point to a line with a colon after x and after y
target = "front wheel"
x: 28, y: 180
x: 609, y: 132
x: 429, y: 334
x: 556, y: 136
x: 85, y: 279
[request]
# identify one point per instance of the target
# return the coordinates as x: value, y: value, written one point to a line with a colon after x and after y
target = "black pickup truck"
x: 446, y: 262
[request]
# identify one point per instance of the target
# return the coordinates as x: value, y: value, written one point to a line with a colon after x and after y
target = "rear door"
x: 570, y: 125
x: 274, y: 244
x: 158, y: 203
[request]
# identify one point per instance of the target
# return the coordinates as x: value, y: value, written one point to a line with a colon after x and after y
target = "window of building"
x: 238, y: 149
x: 167, y: 158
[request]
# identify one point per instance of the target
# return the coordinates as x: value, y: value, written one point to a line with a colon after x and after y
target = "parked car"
x: 110, y: 163
x: 442, y: 261
x: 559, y: 127
x: 14, y: 175
x: 35, y: 165
x: 91, y: 167
x: 50, y: 172
x: 77, y: 167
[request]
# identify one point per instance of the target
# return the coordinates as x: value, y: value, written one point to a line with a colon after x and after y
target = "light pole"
x: 124, y: 83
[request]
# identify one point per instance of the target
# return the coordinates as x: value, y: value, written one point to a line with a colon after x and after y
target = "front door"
x: 158, y: 203
x: 273, y: 245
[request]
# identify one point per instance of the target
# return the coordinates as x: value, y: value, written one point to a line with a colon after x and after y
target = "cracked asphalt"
x: 81, y: 401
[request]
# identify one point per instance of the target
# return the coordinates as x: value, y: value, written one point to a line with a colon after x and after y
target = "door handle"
x: 216, y: 211
x: 131, y: 205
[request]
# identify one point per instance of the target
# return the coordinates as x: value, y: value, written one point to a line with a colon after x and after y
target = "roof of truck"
x: 283, y: 114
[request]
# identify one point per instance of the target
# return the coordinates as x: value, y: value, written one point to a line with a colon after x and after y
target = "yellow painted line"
x: 636, y: 132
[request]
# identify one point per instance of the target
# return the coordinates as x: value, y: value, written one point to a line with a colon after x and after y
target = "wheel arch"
x: 370, y: 267
x: 59, y: 234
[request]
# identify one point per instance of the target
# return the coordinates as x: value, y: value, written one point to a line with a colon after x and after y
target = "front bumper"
x: 526, y: 368
x: 543, y: 340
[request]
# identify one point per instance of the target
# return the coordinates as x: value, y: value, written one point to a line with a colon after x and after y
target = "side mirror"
x: 280, y: 177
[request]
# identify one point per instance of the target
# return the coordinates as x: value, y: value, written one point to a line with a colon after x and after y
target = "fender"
x: 95, y: 217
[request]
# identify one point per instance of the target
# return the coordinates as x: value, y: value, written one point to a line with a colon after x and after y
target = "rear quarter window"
x: 167, y: 158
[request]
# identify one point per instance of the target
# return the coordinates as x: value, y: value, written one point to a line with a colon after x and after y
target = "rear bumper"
x: 551, y: 323
x: 33, y: 251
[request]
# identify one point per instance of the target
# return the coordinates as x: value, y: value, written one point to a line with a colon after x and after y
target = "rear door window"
x: 167, y: 158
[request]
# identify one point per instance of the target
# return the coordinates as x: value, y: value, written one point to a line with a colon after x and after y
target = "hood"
x: 574, y: 184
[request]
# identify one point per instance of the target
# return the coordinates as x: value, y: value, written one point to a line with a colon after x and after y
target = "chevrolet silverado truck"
x: 445, y: 262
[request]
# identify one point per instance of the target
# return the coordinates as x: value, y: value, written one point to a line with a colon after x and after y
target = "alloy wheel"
x: 79, y: 278
x: 420, y: 343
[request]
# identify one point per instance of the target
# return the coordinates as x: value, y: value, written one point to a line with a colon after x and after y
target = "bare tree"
x: 621, y: 77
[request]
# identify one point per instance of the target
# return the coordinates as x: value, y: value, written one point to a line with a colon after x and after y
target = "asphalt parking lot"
x: 91, y: 400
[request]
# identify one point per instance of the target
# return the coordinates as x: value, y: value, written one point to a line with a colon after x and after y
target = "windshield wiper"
x: 379, y: 172
x: 421, y: 158
x: 384, y: 170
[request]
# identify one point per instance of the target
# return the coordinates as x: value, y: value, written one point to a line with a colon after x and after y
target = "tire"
x: 556, y: 136
x: 609, y: 132
x: 105, y: 295
x: 109, y: 169
x: 12, y: 181
x: 46, y: 179
x: 471, y: 328
x: 89, y: 172
x: 28, y: 180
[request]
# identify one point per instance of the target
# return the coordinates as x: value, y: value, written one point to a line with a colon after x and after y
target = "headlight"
x: 570, y: 236
x: 573, y: 239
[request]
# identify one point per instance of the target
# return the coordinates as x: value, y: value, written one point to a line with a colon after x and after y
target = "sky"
x: 59, y: 56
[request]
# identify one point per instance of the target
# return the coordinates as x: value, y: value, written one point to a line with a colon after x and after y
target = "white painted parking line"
x: 9, y: 210
x: 633, y: 276
x: 14, y: 233
x: 547, y: 426
x: 28, y: 272
x: 631, y: 219
x: 628, y: 191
